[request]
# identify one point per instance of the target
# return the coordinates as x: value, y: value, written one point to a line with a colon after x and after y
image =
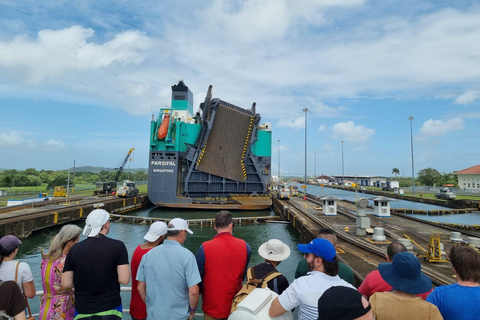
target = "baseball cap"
x: 341, y: 303
x: 156, y: 230
x: 319, y: 247
x: 10, y: 242
x: 95, y: 220
x: 179, y: 224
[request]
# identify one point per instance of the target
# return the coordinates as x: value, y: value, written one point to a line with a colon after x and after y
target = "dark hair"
x: 223, y: 219
x: 466, y: 261
x: 394, y: 248
x: 329, y: 268
x: 329, y: 234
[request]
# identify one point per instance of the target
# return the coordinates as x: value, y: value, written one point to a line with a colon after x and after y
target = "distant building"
x: 323, y: 179
x: 469, y: 179
x: 366, y: 181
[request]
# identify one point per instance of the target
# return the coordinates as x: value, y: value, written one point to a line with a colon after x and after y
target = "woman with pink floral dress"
x: 57, y: 303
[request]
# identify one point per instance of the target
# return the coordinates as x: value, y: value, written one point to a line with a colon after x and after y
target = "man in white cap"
x: 96, y: 267
x: 168, y: 276
x: 273, y: 251
x: 155, y: 236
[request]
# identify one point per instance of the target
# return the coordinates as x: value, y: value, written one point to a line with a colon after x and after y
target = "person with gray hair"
x: 375, y: 283
x: 55, y: 301
x: 168, y: 276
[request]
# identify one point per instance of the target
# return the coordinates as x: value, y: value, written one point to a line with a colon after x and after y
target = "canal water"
x: 132, y: 236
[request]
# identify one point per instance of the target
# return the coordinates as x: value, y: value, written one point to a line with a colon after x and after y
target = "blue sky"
x: 79, y: 80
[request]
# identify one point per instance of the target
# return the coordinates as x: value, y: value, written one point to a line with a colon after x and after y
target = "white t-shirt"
x: 7, y: 272
x: 305, y: 292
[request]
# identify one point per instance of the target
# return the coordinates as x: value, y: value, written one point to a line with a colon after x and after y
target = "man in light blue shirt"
x: 168, y: 277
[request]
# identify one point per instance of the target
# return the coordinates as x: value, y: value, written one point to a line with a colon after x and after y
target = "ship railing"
x: 122, y: 289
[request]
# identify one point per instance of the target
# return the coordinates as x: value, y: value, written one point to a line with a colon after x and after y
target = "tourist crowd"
x: 81, y: 280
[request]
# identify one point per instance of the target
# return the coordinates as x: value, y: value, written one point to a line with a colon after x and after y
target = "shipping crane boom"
x: 122, y: 165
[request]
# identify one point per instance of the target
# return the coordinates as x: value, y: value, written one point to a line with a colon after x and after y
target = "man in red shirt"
x: 374, y: 282
x: 222, y: 263
x: 155, y: 236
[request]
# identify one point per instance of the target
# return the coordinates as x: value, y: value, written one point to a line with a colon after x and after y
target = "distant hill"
x: 98, y: 169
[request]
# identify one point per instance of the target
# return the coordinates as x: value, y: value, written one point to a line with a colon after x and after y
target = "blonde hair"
x: 68, y: 233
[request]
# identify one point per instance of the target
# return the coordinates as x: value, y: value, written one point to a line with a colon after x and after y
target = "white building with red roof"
x: 469, y: 179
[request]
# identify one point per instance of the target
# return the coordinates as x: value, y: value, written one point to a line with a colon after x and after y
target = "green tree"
x: 429, y: 177
x: 396, y: 172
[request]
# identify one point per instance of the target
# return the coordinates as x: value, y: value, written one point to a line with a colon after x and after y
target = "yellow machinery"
x: 434, y: 252
x: 60, y: 192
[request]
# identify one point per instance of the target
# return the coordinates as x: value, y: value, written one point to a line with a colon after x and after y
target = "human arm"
x: 193, y: 296
x: 123, y: 272
x: 200, y: 258
x: 249, y: 254
x: 20, y: 316
x: 276, y: 309
x: 29, y: 289
x: 142, y: 290
x: 67, y: 280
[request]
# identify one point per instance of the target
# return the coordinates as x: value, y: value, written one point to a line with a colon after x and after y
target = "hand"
x: 192, y: 314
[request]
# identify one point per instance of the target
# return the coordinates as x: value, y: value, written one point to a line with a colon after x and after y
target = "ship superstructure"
x: 219, y: 158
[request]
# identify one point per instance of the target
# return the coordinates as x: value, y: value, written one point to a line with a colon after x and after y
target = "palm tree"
x: 395, y: 171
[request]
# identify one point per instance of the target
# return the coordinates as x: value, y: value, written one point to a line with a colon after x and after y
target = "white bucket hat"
x: 179, y: 224
x: 274, y: 250
x: 157, y: 229
x: 95, y: 220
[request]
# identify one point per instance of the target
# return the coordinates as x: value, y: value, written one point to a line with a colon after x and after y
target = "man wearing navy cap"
x: 305, y: 291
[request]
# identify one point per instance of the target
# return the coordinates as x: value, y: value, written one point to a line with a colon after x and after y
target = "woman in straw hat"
x: 405, y: 276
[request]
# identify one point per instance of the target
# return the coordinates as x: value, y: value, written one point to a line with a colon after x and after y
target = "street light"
x: 305, y: 110
x: 315, y: 166
x: 278, y: 160
x: 343, y: 167
x: 411, y: 144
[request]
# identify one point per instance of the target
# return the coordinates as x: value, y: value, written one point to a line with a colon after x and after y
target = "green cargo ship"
x: 218, y: 158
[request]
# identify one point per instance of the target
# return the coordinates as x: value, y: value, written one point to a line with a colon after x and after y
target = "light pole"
x: 411, y: 144
x: 343, y: 168
x: 315, y: 166
x: 305, y: 110
x: 278, y: 160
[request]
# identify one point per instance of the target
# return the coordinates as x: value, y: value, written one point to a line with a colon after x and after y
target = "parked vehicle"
x: 127, y: 190
x: 445, y: 193
x: 283, y: 192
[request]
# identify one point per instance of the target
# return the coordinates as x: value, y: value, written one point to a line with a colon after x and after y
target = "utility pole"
x: 315, y: 166
x: 411, y: 144
x: 343, y: 168
x: 305, y: 110
x: 278, y: 160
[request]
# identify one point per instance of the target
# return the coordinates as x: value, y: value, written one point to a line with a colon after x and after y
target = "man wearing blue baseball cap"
x: 305, y: 291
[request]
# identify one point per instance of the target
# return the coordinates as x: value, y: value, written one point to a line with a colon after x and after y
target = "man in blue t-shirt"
x: 460, y: 301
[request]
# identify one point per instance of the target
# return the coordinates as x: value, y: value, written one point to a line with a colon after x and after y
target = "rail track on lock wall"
x: 372, y: 254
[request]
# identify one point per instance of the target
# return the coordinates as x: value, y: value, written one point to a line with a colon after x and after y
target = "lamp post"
x: 305, y: 110
x: 343, y: 167
x: 411, y: 144
x: 278, y: 160
x: 315, y: 166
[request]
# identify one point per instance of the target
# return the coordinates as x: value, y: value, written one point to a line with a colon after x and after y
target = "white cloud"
x: 296, y: 123
x: 55, y: 144
x: 437, y: 128
x: 12, y: 138
x: 348, y: 131
x: 322, y: 128
x: 468, y: 97
x: 328, y: 148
